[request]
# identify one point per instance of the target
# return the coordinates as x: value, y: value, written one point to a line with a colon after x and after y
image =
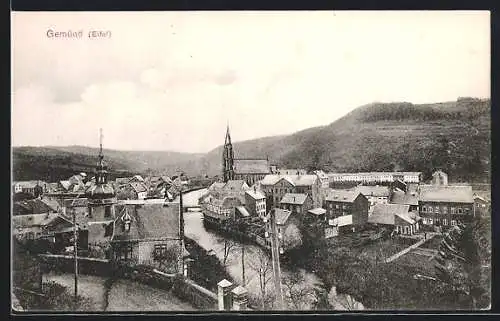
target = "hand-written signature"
x: 78, y: 34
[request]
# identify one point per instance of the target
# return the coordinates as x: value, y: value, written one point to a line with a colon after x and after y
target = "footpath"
x: 408, y: 249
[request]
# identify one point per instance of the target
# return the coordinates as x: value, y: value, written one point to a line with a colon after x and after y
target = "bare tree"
x: 298, y: 295
x: 262, y: 265
x: 229, y: 247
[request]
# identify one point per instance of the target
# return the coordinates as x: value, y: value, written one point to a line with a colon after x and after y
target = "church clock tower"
x: 101, y: 196
x: 227, y: 159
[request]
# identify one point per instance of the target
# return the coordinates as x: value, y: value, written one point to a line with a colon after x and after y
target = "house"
x: 317, y: 214
x: 255, y: 202
x: 395, y: 216
x: 323, y: 178
x: 149, y: 233
x: 291, y: 171
x: 445, y: 205
x: 119, y: 181
x: 376, y: 194
x: 34, y: 188
x: 375, y: 177
x: 33, y: 206
x: 481, y: 205
x: 298, y: 204
x: 347, y: 202
x: 60, y: 232
x: 219, y: 209
x: 31, y: 226
x: 409, y: 198
x: 339, y: 225
x: 276, y: 186
x: 287, y: 223
x: 250, y: 170
x: 132, y: 190
x: 439, y: 178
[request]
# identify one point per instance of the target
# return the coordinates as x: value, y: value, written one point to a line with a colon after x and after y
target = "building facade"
x: 375, y: 177
x: 297, y: 204
x: 255, y: 202
x: 445, y: 205
x: 276, y: 186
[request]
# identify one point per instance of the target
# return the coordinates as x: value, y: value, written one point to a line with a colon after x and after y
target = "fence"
x: 66, y: 264
x: 198, y: 296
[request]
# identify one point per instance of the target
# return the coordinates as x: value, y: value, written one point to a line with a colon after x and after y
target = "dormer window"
x: 126, y: 226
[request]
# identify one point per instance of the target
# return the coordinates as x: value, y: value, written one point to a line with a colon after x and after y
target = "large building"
x: 375, y: 177
x: 250, y: 170
x: 255, y: 202
x: 221, y: 201
x: 445, y: 205
x: 276, y: 186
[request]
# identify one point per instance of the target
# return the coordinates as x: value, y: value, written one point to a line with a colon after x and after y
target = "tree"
x: 229, y: 248
x: 462, y: 255
x: 262, y: 265
x: 299, y: 297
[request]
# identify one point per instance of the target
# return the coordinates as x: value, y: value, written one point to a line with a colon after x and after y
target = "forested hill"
x: 453, y: 136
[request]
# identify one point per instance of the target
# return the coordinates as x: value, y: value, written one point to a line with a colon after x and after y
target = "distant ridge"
x: 453, y: 136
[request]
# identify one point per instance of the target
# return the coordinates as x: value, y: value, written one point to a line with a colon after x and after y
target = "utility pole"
x: 75, y: 252
x: 243, y: 263
x: 276, y: 260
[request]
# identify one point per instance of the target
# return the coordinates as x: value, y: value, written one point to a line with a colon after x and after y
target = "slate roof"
x: 33, y: 206
x: 340, y: 195
x: 32, y: 220
x: 243, y: 211
x: 317, y: 211
x: 399, y: 197
x: 255, y: 194
x: 78, y: 202
x: 29, y: 184
x: 281, y: 216
x: 294, y: 198
x: 139, y: 187
x: 385, y: 213
x: 122, y: 180
x: 377, y: 191
x: 296, y: 180
x: 235, y: 185
x: 251, y: 166
x: 100, y: 190
x: 65, y: 184
x: 148, y: 221
x: 448, y: 193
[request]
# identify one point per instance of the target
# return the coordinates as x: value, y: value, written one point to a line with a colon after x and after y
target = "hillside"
x: 454, y: 136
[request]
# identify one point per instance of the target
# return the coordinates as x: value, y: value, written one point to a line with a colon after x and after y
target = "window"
x: 459, y: 210
x: 90, y: 212
x: 445, y: 210
x: 160, y: 250
x: 424, y: 209
x: 297, y: 209
x: 453, y: 222
x: 125, y: 252
x: 107, y: 211
x: 452, y: 210
x: 337, y: 206
x: 108, y: 230
x: 445, y: 221
x: 430, y: 221
x: 436, y: 210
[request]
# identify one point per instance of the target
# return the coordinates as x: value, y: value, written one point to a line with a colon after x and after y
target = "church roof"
x: 251, y: 166
x: 100, y: 190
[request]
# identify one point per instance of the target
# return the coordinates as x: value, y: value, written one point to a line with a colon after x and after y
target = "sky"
x: 174, y: 80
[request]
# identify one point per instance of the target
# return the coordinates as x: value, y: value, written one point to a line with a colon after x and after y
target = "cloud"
x: 171, y: 81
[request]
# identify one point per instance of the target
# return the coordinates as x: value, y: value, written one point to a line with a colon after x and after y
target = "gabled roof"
x: 235, y: 185
x: 317, y: 211
x: 251, y: 166
x: 33, y: 206
x: 28, y: 184
x: 243, y: 211
x: 400, y: 197
x: 255, y: 194
x: 340, y: 195
x: 407, y: 217
x: 296, y: 180
x: 139, y: 187
x: 65, y: 184
x: 294, y: 198
x: 32, y: 220
x: 281, y: 216
x: 377, y: 191
x: 149, y: 221
x: 216, y: 185
x: 122, y: 180
x: 385, y: 213
x: 448, y: 193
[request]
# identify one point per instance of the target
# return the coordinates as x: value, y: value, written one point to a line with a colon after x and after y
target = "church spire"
x: 227, y: 158
x: 100, y: 164
x: 101, y: 173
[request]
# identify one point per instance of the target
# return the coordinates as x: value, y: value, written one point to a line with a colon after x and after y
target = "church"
x: 251, y: 170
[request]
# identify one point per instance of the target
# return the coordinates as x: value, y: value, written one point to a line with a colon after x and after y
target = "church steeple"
x: 227, y: 158
x: 101, y: 170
